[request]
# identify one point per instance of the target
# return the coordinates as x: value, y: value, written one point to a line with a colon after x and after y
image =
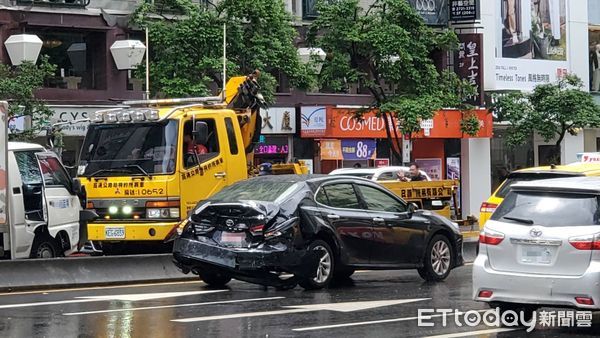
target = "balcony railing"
x: 55, y: 3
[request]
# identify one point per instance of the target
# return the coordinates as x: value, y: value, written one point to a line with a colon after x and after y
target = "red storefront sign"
x: 445, y: 124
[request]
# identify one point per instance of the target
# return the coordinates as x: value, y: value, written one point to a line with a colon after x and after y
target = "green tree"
x: 17, y: 86
x: 186, y: 45
x: 551, y: 110
x: 388, y: 43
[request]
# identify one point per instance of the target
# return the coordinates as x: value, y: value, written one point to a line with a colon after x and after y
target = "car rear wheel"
x: 438, y: 260
x: 325, y: 266
x: 214, y: 279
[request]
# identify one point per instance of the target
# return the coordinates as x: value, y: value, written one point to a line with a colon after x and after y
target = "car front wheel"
x: 437, y: 260
x: 325, y: 266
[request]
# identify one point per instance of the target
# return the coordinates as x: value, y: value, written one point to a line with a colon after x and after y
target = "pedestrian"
x: 415, y: 174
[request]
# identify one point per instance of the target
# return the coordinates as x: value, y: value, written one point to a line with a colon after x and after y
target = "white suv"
x: 541, y: 247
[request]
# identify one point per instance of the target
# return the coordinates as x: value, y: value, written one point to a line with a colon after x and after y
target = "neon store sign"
x: 268, y: 149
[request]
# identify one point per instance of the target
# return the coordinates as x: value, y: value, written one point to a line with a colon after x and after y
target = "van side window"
x: 197, y: 153
x: 233, y: 146
x: 54, y: 173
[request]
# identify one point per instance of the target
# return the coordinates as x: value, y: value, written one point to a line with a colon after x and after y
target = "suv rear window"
x: 549, y: 209
x: 524, y: 177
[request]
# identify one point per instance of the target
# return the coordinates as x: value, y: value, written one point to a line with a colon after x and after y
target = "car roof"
x: 367, y: 170
x: 584, y: 184
x: 24, y: 146
x: 313, y: 179
x: 573, y: 169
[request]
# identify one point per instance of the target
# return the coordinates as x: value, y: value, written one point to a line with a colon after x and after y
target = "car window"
x: 256, y: 190
x: 377, y: 200
x: 195, y: 154
x: 54, y: 173
x: 386, y: 176
x: 340, y: 195
x: 28, y: 167
x: 233, y: 146
x: 549, y: 209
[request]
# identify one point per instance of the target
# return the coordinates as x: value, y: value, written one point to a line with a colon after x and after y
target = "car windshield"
x: 524, y: 177
x: 129, y: 149
x: 548, y: 209
x: 265, y: 191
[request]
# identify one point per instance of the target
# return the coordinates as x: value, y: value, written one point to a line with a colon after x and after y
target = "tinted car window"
x: 524, y: 177
x: 549, y: 209
x: 267, y: 191
x: 378, y: 200
x: 387, y: 176
x: 339, y: 196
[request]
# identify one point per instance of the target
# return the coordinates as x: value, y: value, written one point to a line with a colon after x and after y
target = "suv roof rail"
x: 157, y: 102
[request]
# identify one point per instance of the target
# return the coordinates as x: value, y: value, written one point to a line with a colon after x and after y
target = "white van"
x: 44, y: 207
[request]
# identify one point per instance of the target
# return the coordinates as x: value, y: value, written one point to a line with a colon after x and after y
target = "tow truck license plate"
x: 114, y: 232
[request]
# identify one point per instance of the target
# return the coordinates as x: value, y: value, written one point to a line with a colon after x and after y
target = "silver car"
x: 541, y: 247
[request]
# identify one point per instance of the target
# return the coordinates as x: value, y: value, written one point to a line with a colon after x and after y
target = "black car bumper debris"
x: 256, y: 265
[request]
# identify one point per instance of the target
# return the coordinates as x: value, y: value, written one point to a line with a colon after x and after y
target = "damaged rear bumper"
x: 254, y: 265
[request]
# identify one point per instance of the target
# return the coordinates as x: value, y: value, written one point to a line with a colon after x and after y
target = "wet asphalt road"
x: 389, y: 301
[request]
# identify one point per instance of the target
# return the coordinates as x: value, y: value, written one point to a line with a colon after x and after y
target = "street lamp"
x: 307, y: 55
x: 128, y: 54
x: 23, y: 47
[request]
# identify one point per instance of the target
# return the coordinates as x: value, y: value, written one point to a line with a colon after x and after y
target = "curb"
x: 86, y: 271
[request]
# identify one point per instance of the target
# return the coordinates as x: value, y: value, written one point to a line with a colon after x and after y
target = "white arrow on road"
x: 129, y: 297
x: 339, y: 307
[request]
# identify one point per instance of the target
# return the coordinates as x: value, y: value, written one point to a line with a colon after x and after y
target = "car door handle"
x: 220, y: 174
x: 333, y: 216
x: 379, y: 221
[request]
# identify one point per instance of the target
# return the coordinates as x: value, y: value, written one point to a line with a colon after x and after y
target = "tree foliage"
x: 388, y: 43
x: 186, y: 45
x: 551, y: 110
x: 17, y: 86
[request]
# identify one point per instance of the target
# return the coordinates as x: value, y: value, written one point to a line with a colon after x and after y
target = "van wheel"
x: 44, y: 246
x: 325, y: 266
x: 438, y: 260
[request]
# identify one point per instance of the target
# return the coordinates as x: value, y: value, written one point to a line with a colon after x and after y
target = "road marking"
x: 391, y: 320
x: 131, y: 297
x: 96, y: 288
x: 340, y: 307
x: 472, y: 333
x: 171, y: 306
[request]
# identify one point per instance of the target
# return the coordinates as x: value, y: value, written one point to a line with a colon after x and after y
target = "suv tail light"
x: 490, y: 237
x: 488, y: 207
x: 589, y: 242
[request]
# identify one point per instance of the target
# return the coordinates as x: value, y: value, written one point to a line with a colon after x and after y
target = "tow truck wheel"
x: 214, y: 279
x: 325, y: 267
x: 44, y: 246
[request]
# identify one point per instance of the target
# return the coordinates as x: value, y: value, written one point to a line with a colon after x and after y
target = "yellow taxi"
x: 530, y: 174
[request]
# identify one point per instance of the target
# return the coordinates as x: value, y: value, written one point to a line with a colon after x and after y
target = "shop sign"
x: 342, y: 124
x: 270, y: 149
x: 463, y: 10
x: 432, y: 166
x: 382, y: 162
x: 589, y: 157
x: 433, y: 12
x: 331, y: 150
x: 359, y: 149
x: 278, y: 120
x: 314, y: 121
x: 74, y: 113
x: 469, y: 64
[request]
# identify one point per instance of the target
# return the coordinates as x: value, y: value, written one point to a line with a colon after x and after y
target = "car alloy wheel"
x: 440, y: 257
x: 324, y: 266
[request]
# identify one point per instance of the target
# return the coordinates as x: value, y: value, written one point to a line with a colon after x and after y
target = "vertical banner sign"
x: 3, y: 154
x: 468, y: 63
x: 463, y: 10
x: 434, y: 12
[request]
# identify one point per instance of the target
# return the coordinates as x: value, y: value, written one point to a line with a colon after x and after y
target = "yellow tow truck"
x: 144, y: 166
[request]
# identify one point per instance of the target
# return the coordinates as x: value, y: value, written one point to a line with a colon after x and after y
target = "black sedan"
x: 312, y: 228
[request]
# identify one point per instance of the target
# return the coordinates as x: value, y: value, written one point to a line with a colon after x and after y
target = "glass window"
x: 524, y: 177
x: 256, y: 190
x: 233, y: 146
x: 130, y: 149
x: 53, y: 172
x: 549, y: 209
x: 28, y: 167
x: 341, y: 196
x: 387, y: 176
x: 322, y: 197
x: 195, y: 153
x: 378, y: 200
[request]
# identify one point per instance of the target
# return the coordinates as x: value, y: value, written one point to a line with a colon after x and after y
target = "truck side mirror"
x: 201, y: 132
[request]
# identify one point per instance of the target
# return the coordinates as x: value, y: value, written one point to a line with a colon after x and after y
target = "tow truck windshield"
x: 141, y: 149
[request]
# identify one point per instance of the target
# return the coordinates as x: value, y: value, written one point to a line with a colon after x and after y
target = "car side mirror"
x: 201, y: 132
x: 412, y: 208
